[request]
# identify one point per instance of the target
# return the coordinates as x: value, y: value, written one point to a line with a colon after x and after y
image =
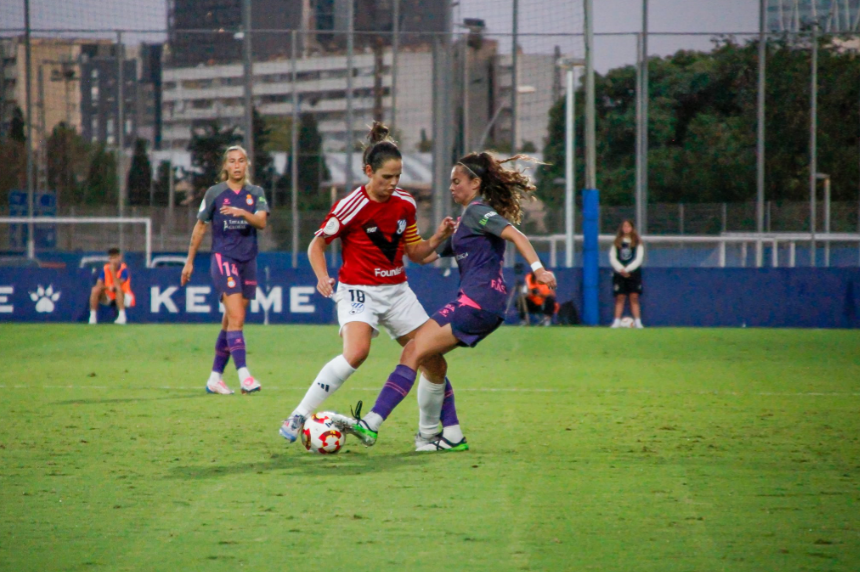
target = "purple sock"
x: 222, y: 353
x: 236, y: 342
x: 395, y: 389
x: 449, y: 411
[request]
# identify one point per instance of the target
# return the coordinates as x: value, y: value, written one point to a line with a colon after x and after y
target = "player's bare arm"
x: 316, y: 255
x: 525, y: 248
x: 420, y: 252
x: 196, y: 238
x: 257, y: 219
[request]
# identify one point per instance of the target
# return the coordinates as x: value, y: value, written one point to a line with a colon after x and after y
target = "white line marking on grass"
x: 476, y: 389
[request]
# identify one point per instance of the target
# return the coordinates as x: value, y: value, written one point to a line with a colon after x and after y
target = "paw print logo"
x: 45, y: 298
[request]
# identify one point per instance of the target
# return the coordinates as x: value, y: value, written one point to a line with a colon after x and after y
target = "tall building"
x: 204, y: 31
x: 833, y: 16
x: 193, y: 95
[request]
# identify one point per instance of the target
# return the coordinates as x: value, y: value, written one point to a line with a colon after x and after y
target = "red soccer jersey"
x: 373, y: 236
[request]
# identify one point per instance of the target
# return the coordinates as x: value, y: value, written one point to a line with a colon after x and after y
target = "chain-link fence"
x: 131, y: 120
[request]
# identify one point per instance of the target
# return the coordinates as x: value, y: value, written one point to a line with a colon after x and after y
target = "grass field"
x: 656, y: 450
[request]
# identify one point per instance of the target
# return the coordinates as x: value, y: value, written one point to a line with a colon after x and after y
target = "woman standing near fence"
x: 626, y: 257
x: 237, y: 210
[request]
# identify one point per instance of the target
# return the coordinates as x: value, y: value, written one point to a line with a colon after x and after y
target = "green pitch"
x: 657, y: 450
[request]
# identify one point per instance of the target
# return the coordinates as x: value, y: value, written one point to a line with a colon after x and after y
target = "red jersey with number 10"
x: 373, y: 235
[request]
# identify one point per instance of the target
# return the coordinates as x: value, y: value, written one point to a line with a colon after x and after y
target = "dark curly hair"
x: 503, y: 189
x: 381, y: 147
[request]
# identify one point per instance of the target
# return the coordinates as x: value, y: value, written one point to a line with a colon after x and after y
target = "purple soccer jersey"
x: 479, y: 250
x: 233, y: 237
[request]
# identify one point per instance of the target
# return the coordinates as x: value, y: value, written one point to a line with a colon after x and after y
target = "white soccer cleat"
x: 93, y: 319
x: 292, y: 427
x: 250, y: 385
x: 439, y: 443
x: 121, y: 320
x: 218, y: 387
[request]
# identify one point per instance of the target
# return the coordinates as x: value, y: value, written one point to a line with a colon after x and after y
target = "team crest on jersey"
x: 226, y: 201
x: 401, y: 226
x: 230, y: 282
x: 249, y: 200
x: 357, y: 308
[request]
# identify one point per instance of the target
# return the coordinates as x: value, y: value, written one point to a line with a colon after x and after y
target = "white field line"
x: 459, y: 389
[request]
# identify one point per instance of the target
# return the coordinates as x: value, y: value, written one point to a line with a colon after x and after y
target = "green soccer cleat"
x: 354, y: 425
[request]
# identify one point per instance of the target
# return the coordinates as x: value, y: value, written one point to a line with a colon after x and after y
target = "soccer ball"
x: 627, y: 322
x: 319, y: 435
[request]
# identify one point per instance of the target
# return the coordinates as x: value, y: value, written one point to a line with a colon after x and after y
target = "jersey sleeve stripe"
x: 351, y: 210
x: 355, y: 211
x: 406, y: 197
x: 343, y: 204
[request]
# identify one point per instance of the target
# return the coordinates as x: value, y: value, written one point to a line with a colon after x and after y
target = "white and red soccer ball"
x: 319, y: 434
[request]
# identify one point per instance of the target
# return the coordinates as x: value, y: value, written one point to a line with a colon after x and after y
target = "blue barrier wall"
x: 801, y: 297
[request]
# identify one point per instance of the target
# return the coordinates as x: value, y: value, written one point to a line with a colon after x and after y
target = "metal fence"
x: 107, y: 103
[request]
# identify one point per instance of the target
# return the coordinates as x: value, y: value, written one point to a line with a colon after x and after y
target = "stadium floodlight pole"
x: 248, y: 64
x: 122, y: 187
x: 395, y: 48
x: 813, y: 142
x: 826, y: 178
x: 638, y: 153
x: 590, y: 158
x: 31, y: 238
x: 294, y: 161
x: 569, y: 65
x: 350, y: 48
x: 760, y: 148
x: 643, y: 128
x: 514, y: 77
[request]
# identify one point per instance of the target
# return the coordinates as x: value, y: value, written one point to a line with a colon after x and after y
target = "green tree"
x: 263, y: 162
x: 701, y: 129
x: 102, y: 181
x: 16, y: 129
x: 67, y: 158
x: 311, y: 166
x: 208, y: 142
x: 139, y: 175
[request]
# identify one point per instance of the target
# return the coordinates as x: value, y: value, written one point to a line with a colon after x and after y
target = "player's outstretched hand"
x: 325, y: 286
x: 446, y: 228
x: 544, y: 276
x: 186, y: 273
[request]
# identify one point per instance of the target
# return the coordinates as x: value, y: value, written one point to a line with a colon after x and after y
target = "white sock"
x: 453, y: 433
x: 93, y: 318
x: 430, y: 398
x: 328, y: 380
x: 244, y: 374
x: 638, y: 321
x: 374, y: 420
x: 122, y: 314
x: 214, y: 377
x: 617, y: 322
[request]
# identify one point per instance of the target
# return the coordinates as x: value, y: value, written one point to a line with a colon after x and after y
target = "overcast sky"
x: 545, y: 16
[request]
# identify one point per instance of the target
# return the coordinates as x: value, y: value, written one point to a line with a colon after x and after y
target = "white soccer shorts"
x: 394, y: 307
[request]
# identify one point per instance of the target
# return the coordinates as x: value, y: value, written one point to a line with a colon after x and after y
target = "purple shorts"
x: 469, y: 323
x: 231, y: 277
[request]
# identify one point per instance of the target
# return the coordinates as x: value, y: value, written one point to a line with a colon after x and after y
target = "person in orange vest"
x: 113, y: 287
x: 538, y: 299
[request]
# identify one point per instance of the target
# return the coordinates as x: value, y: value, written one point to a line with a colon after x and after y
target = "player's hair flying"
x: 634, y: 236
x: 503, y: 189
x: 224, y: 175
x: 381, y: 147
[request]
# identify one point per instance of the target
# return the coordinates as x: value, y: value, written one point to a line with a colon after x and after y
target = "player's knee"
x: 355, y: 356
x: 435, y: 365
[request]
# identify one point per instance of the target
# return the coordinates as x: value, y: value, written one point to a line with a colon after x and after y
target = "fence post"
x: 590, y: 254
